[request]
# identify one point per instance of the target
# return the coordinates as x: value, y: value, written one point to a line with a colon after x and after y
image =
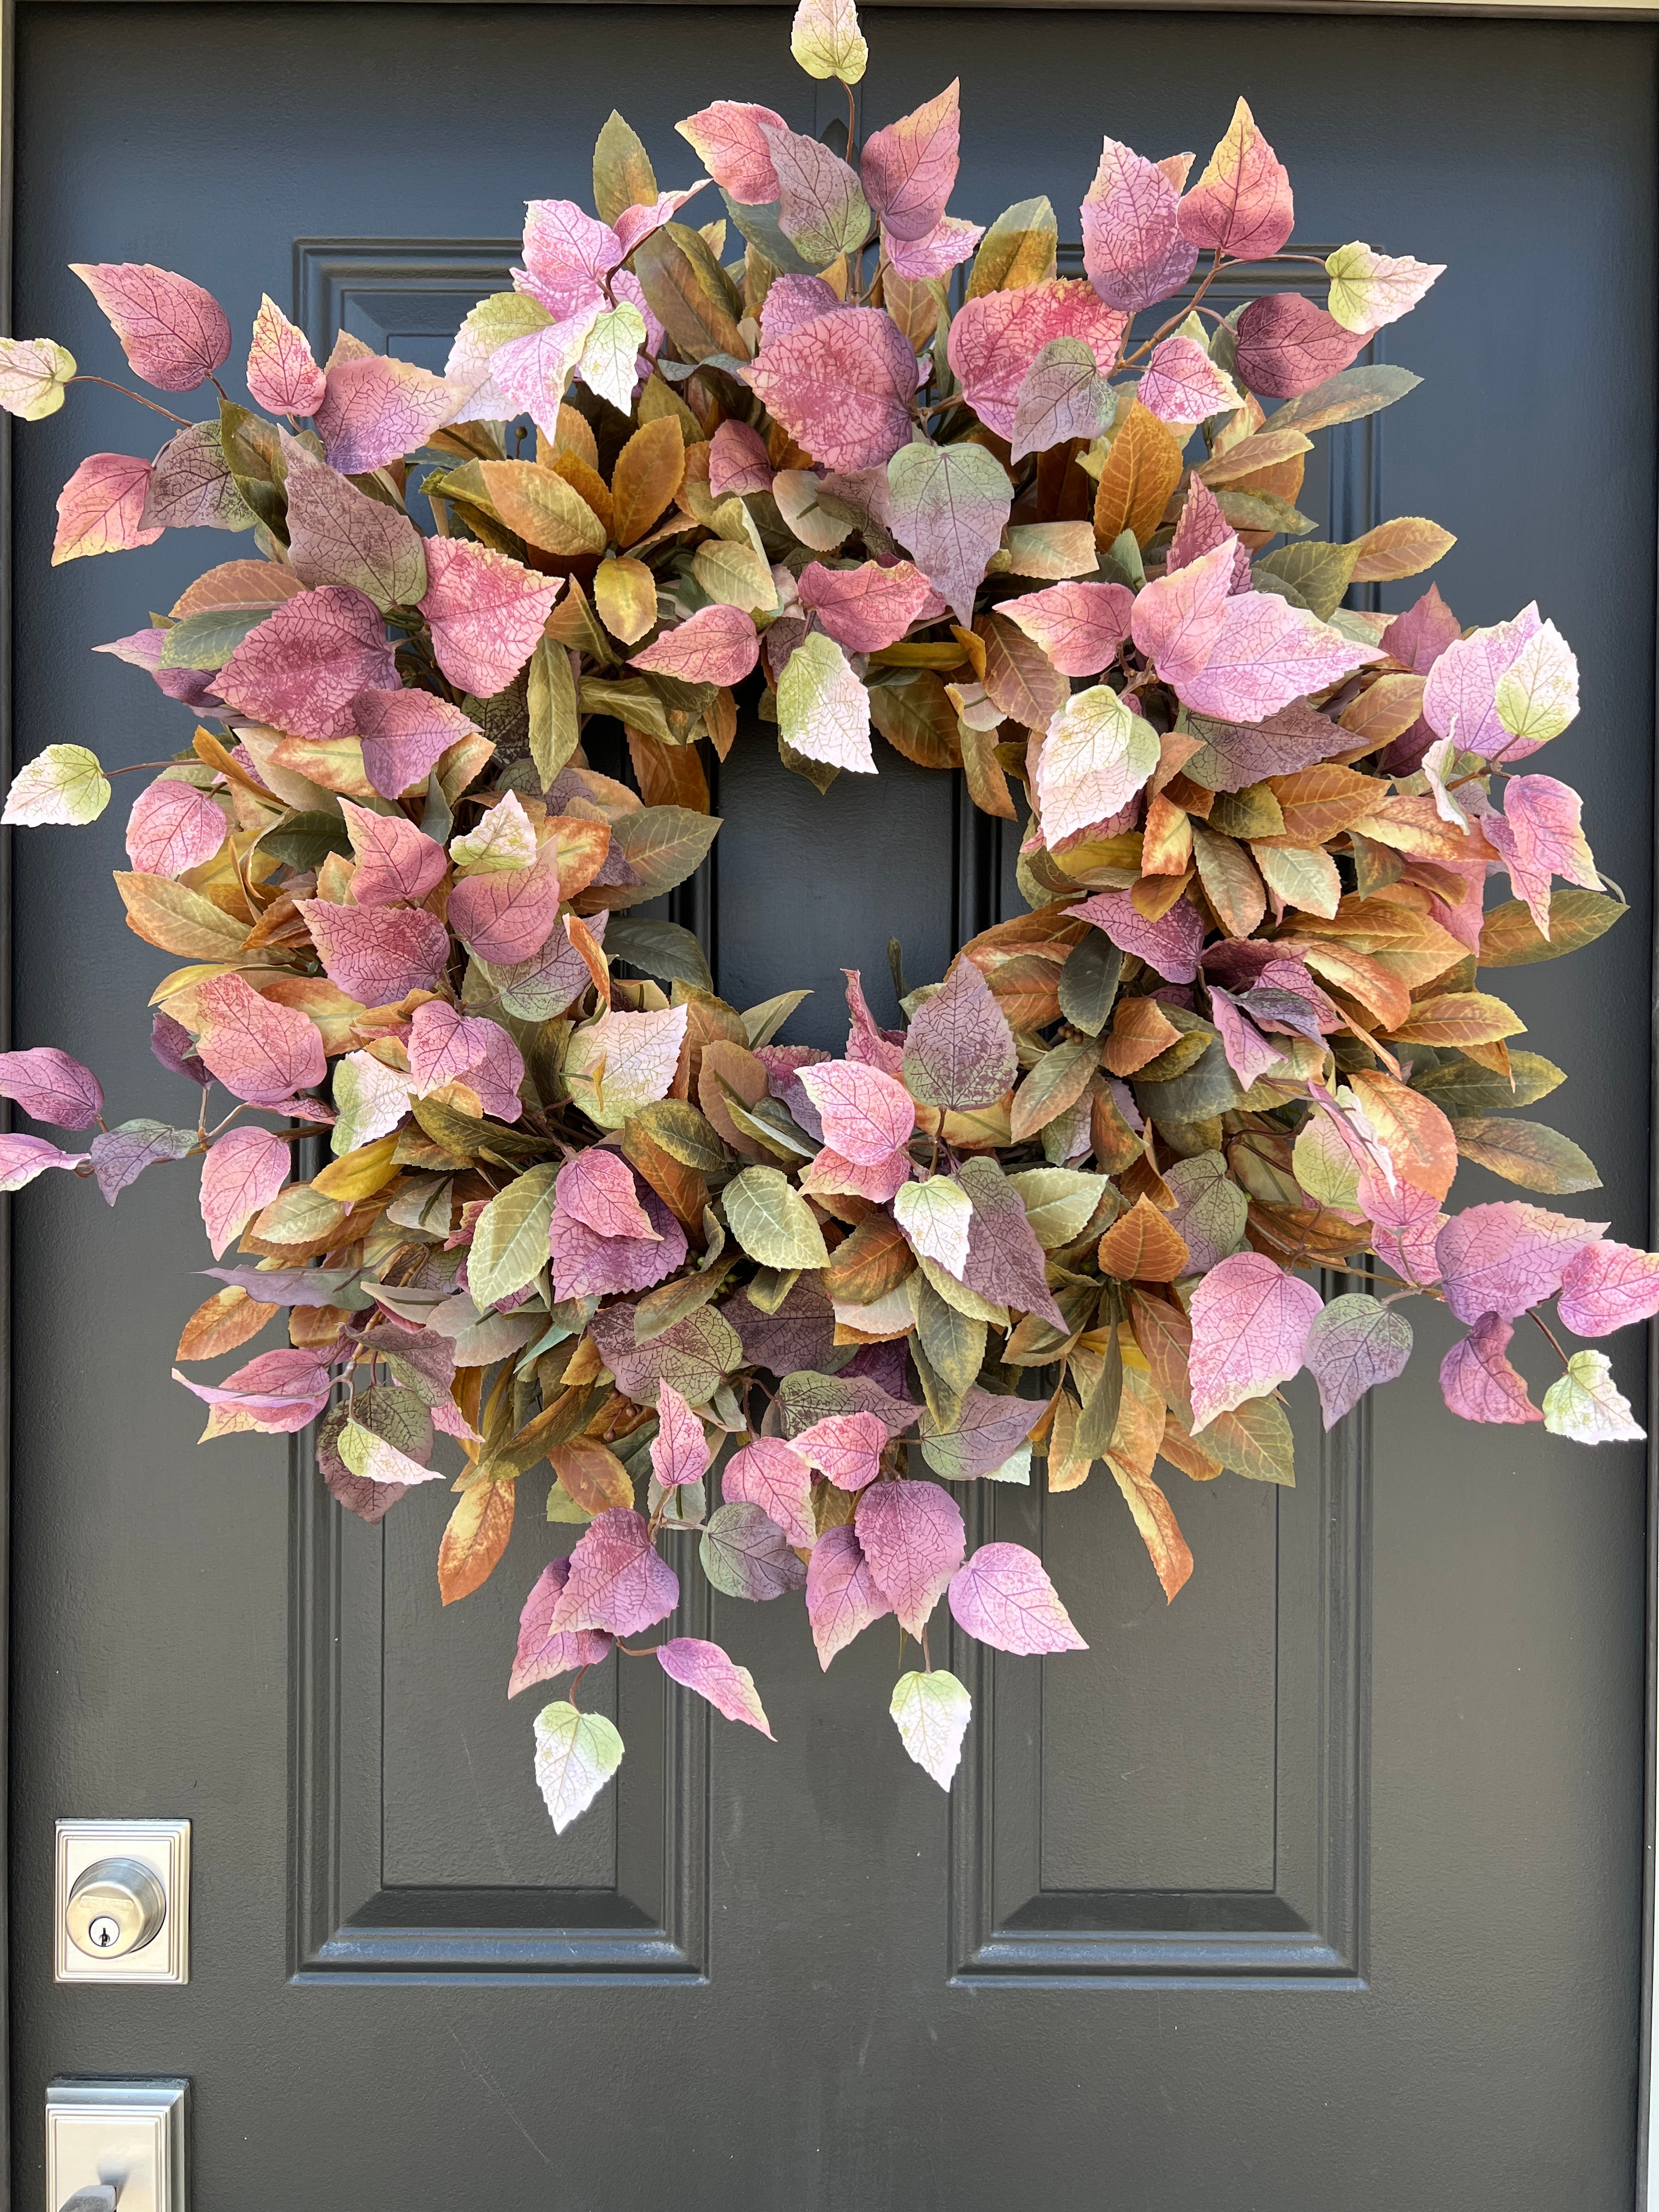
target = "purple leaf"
x: 1287, y: 344
x: 119, y: 1156
x: 913, y: 1538
x: 744, y: 1554
x: 338, y: 535
x: 771, y: 1474
x: 376, y: 954
x: 1247, y: 1052
x: 866, y: 1041
x: 1478, y: 1382
x: 679, y: 1450
x: 302, y: 668
x: 302, y: 1286
x: 1133, y: 246
x: 707, y: 1669
x: 259, y: 1050
x: 1268, y: 653
x: 694, y: 1354
x: 242, y: 1173
x: 507, y: 916
x: 1170, y: 944
x: 1502, y: 1258
x: 846, y: 1448
x: 485, y: 612
x: 1005, y: 1261
x: 1353, y: 1345
x: 909, y: 169
x: 588, y: 1264
x: 1004, y: 1598
x: 22, y: 1159
x: 821, y: 209
x: 800, y: 1333
x: 280, y: 1392
x: 544, y: 1652
x: 1419, y: 637
x: 173, y: 332
x: 51, y: 1086
x: 1607, y: 1287
x: 395, y: 861
x: 374, y: 411
x: 1250, y: 1323
x: 1240, y: 753
x: 618, y: 1580
x: 995, y: 338
x: 959, y: 1051
x: 173, y: 1046
x: 1063, y: 396
x: 173, y: 826
x: 405, y: 734
x: 843, y: 384
x: 842, y: 1595
x: 987, y: 1431
x: 192, y: 487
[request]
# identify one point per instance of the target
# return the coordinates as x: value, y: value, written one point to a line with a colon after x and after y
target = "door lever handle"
x: 101, y: 2199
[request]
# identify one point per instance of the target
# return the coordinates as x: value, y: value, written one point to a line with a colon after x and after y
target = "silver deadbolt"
x: 116, y: 1906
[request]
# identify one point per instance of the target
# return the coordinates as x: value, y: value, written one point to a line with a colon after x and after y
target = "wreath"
x: 836, y: 460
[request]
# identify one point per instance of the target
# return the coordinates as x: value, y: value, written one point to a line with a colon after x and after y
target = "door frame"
x: 1645, y: 2195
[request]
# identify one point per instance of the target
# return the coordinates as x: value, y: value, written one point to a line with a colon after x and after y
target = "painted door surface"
x: 1320, y: 1889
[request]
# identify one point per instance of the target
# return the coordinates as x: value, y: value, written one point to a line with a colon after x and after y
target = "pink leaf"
x: 1250, y: 1323
x: 598, y: 1188
x: 534, y: 370
x: 843, y: 384
x: 948, y: 505
x: 1459, y: 700
x: 771, y: 1474
x: 1608, y: 1286
x: 302, y: 668
x: 842, y: 1595
x: 679, y: 1450
x: 1170, y: 944
x: 377, y: 409
x: 845, y: 1448
x: 486, y: 613
x: 1247, y: 1052
x: 1502, y: 1259
x: 378, y: 954
x: 1286, y: 344
x: 544, y: 1653
x: 1063, y: 396
x: 506, y: 916
x: 258, y: 1050
x: 637, y: 223
x: 50, y: 1086
x: 283, y: 374
x: 996, y: 337
x: 446, y: 1046
x: 791, y: 300
x: 737, y: 459
x: 173, y: 332
x: 1133, y: 246
x: 563, y: 241
x: 831, y: 1172
x: 1355, y: 1343
x: 1419, y: 637
x: 1478, y: 1382
x: 1178, y: 620
x: 865, y: 608
x: 707, y: 1669
x: 395, y: 861
x: 405, y: 734
x: 946, y: 247
x: 586, y: 1265
x: 280, y: 1392
x: 1538, y: 837
x: 338, y: 535
x: 1004, y: 1598
x: 1181, y: 383
x: 618, y: 1579
x: 745, y: 1555
x: 959, y: 1051
x: 1079, y: 625
x: 866, y: 1115
x: 1268, y: 653
x: 243, y: 1172
x: 821, y: 209
x: 22, y: 1159
x: 912, y: 1535
x: 909, y: 169
x: 865, y: 1040
x: 716, y: 645
x: 101, y: 509
x: 1203, y: 526
x: 119, y: 1156
x: 1242, y: 203
x: 987, y: 1430
x: 729, y: 139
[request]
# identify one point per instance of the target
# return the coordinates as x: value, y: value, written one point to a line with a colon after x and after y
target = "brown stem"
x: 138, y: 396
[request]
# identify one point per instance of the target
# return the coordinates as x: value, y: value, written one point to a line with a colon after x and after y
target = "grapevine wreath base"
x: 837, y: 460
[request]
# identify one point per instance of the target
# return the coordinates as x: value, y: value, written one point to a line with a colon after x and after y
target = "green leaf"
x: 686, y: 290
x: 1528, y: 1153
x: 1345, y: 397
x: 1584, y: 1406
x: 207, y: 640
x: 773, y: 1222
x: 1089, y: 982
x: 1511, y: 939
x: 826, y: 40
x: 1097, y: 1423
x: 1059, y: 1202
x: 623, y: 175
x: 1253, y: 1440
x: 955, y: 1345
x: 684, y: 1133
x: 931, y: 1713
x: 254, y: 450
x: 761, y: 1024
x: 65, y: 783
x: 1017, y: 249
x: 662, y: 949
x: 554, y: 726
x: 1056, y: 1082
x: 576, y: 1754
x: 305, y: 840
x: 663, y: 845
x: 1458, y: 1087
x: 509, y: 1244
x: 1318, y: 573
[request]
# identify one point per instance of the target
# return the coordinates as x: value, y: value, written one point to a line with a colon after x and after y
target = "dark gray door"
x: 1319, y: 1890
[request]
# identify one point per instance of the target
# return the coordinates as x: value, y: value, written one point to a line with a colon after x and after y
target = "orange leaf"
x: 649, y: 471
x: 592, y: 954
x: 1166, y: 846
x: 1460, y: 1018
x: 1165, y: 1337
x: 1178, y: 1448
x: 221, y: 1323
x: 1318, y: 802
x: 1143, y: 1247
x: 1386, y: 709
x: 1141, y: 473
x: 1140, y: 1031
x: 586, y: 482
x: 874, y: 1259
x: 1382, y: 994
x: 1411, y: 1129
x: 592, y: 1475
x: 1160, y: 1532
x: 475, y: 1539
x: 581, y: 847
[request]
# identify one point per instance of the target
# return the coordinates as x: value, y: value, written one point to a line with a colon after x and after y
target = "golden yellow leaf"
x: 1142, y: 470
